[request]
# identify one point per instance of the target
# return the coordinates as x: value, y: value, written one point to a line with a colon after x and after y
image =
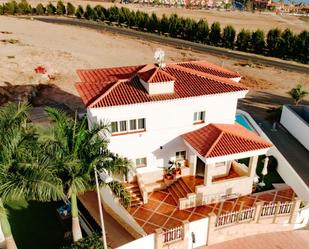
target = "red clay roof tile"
x: 216, y: 140
x: 99, y: 89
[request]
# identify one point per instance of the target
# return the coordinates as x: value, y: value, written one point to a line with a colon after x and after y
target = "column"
x: 252, y: 165
x: 207, y: 174
x: 211, y: 238
x: 258, y: 210
x: 159, y: 238
x: 294, y: 210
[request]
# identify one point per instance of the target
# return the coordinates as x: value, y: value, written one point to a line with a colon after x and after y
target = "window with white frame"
x: 141, y: 162
x: 180, y: 155
x: 199, y: 116
x: 126, y: 126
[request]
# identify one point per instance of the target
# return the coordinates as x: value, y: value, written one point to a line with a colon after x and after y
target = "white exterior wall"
x: 144, y: 242
x: 295, y: 125
x: 200, y: 230
x: 165, y: 122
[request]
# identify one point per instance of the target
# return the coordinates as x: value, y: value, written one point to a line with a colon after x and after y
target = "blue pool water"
x: 240, y: 119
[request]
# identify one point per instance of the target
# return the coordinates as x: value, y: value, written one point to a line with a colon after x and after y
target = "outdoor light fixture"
x: 104, y: 176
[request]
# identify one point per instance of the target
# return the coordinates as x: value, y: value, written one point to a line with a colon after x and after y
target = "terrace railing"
x: 234, y: 217
x: 173, y: 234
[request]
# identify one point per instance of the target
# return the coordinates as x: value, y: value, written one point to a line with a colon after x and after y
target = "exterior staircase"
x: 179, y: 189
x: 135, y: 193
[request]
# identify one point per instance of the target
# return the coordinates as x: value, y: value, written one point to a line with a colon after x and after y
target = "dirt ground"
x: 247, y: 20
x: 26, y: 44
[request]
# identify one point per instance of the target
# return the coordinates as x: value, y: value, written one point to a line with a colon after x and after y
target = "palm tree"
x: 24, y: 172
x: 76, y: 151
x: 298, y: 93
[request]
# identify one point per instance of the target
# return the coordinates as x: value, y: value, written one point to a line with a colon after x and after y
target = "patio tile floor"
x: 162, y: 212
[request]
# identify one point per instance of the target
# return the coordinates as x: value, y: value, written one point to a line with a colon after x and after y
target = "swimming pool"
x: 241, y: 119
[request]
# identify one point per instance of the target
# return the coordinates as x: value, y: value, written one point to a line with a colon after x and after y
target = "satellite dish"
x: 159, y: 57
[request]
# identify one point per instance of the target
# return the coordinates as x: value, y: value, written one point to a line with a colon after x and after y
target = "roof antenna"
x: 159, y: 57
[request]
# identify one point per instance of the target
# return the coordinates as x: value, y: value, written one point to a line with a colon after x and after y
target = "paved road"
x: 292, y: 66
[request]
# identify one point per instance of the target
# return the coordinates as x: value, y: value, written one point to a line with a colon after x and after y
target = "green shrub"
x: 70, y: 9
x: 79, y: 12
x: 50, y: 9
x: 243, y: 40
x: 90, y: 13
x: 228, y: 36
x: 10, y: 8
x: 1, y: 9
x: 258, y: 41
x: 202, y: 31
x: 91, y: 242
x: 100, y: 12
x: 60, y: 10
x: 24, y: 7
x: 215, y: 34
x: 40, y: 9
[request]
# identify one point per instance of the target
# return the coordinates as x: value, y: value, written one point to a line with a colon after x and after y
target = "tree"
x: 228, y: 37
x: 60, y: 10
x: 288, y: 43
x: 164, y: 24
x: 113, y: 14
x: 301, y: 51
x: 175, y: 25
x: 24, y: 7
x: 298, y: 94
x: 70, y: 9
x: 202, y: 31
x: 24, y: 170
x: 90, y: 13
x: 40, y: 9
x: 75, y: 150
x: 79, y: 12
x: 243, y: 40
x: 153, y: 23
x: 274, y: 41
x: 215, y: 34
x: 50, y: 9
x: 1, y: 9
x: 258, y: 41
x: 10, y: 8
x: 100, y: 13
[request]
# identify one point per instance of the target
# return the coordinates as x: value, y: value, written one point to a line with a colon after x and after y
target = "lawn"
x: 35, y: 225
x: 269, y: 179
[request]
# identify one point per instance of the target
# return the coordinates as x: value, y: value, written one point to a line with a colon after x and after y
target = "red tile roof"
x: 216, y: 140
x: 154, y: 74
x: 121, y: 85
x: 206, y: 67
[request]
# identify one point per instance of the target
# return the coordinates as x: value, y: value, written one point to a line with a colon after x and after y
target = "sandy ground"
x: 252, y: 21
x: 63, y: 49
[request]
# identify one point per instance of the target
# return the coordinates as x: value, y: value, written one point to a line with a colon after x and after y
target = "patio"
x: 161, y: 211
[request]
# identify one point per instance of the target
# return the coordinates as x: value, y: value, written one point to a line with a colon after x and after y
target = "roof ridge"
x: 153, y: 74
x: 242, y: 136
x: 209, y: 76
x: 106, y: 93
x: 215, y: 142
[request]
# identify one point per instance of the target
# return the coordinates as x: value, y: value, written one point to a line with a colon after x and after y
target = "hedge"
x: 282, y: 44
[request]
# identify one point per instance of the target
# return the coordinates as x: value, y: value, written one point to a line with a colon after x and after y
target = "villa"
x: 176, y: 123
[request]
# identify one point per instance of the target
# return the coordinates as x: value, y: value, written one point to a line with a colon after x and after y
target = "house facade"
x: 182, y: 113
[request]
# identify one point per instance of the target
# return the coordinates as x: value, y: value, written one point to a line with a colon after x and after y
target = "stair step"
x: 185, y: 186
x: 180, y: 189
x: 136, y: 203
x: 173, y: 194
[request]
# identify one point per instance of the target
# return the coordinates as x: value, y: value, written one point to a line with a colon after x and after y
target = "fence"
x: 233, y: 217
x: 173, y: 234
x: 253, y: 213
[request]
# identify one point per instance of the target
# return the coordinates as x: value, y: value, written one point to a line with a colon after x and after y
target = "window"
x: 114, y: 127
x: 221, y: 164
x: 133, y: 125
x: 141, y: 124
x: 127, y: 126
x: 122, y: 126
x: 141, y: 162
x: 199, y: 116
x: 180, y: 155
